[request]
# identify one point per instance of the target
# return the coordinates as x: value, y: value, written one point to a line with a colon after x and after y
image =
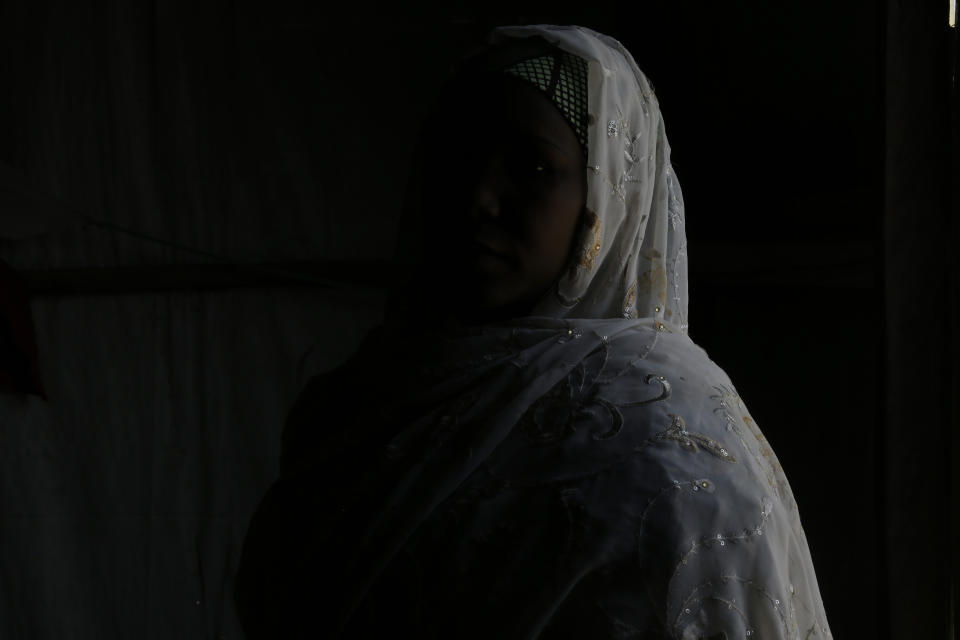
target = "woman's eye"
x: 538, y: 167
x: 531, y: 167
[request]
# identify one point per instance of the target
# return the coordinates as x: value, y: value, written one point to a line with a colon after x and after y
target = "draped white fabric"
x: 600, y: 390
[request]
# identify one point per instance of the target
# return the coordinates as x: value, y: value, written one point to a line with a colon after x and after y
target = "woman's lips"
x: 485, y: 247
x: 488, y: 259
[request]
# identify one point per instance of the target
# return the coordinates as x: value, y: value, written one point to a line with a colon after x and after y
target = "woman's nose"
x: 488, y: 191
x: 485, y: 203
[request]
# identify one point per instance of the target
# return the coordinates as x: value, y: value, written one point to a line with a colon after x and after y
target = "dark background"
x: 214, y: 187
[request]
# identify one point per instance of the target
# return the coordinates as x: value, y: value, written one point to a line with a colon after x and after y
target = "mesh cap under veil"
x: 562, y: 77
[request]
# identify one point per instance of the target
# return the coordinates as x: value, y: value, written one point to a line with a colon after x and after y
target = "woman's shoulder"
x: 688, y: 427
x: 708, y: 511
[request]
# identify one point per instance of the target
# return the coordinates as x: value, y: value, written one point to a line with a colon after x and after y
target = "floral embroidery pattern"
x: 727, y: 400
x: 677, y: 431
x: 708, y: 589
x: 554, y: 415
x: 721, y: 539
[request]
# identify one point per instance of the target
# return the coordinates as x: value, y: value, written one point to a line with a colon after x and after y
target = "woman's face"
x: 512, y: 190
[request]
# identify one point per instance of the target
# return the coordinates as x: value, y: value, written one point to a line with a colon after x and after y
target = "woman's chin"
x: 477, y: 291
x: 494, y: 305
x: 489, y: 265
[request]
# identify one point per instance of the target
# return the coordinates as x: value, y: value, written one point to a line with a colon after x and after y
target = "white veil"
x: 633, y: 261
x: 709, y: 513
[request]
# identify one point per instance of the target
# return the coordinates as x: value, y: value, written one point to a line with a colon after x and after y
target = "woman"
x: 531, y: 446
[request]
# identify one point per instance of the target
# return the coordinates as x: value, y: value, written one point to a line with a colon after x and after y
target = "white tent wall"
x: 211, y: 127
x: 125, y: 496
